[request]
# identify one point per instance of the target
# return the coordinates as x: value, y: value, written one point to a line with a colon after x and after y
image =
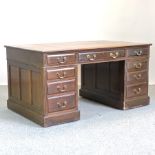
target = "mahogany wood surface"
x: 80, y: 45
x: 43, y: 85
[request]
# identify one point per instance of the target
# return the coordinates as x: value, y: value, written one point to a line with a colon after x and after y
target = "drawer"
x: 59, y: 103
x: 90, y: 56
x: 137, y: 65
x: 100, y: 56
x: 136, y: 77
x: 114, y: 54
x: 61, y: 87
x: 137, y: 51
x: 61, y: 59
x: 138, y: 90
x: 61, y: 73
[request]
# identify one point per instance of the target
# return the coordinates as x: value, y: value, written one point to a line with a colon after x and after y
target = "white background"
x: 40, y: 21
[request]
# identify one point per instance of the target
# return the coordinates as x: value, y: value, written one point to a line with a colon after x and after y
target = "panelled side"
x: 25, y: 85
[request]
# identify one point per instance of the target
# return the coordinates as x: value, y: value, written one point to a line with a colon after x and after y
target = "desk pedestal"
x: 106, y: 83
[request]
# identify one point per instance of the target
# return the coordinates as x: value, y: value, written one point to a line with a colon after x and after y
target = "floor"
x: 101, y: 131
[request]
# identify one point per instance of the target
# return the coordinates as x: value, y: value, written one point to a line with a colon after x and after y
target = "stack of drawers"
x: 61, y: 82
x: 137, y: 73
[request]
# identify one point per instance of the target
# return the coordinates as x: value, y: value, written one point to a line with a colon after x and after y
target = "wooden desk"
x: 42, y: 78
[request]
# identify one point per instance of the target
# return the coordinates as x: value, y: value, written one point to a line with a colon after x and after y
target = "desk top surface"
x: 81, y: 45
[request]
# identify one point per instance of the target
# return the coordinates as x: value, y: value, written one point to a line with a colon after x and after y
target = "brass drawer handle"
x: 63, y: 88
x: 114, y: 55
x: 138, y: 53
x: 61, y: 76
x: 62, y: 105
x: 91, y: 57
x: 137, y: 91
x: 138, y: 77
x: 62, y: 60
x: 138, y: 65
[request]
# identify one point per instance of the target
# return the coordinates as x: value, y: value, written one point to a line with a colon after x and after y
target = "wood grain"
x: 84, y: 45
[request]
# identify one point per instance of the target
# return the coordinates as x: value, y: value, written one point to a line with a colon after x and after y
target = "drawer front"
x: 114, y: 54
x: 99, y: 56
x: 90, y: 56
x: 139, y: 90
x: 61, y: 59
x: 136, y: 77
x: 61, y: 87
x: 137, y: 65
x: 59, y: 103
x: 137, y: 51
x: 60, y: 74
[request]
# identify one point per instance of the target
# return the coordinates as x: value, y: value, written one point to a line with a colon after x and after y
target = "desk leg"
x: 36, y: 97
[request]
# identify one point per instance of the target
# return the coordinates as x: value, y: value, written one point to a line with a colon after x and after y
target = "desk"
x: 42, y: 78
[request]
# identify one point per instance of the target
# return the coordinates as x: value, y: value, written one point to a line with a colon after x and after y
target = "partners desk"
x: 43, y: 79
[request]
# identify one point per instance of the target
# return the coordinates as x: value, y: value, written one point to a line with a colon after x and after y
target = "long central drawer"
x: 91, y: 56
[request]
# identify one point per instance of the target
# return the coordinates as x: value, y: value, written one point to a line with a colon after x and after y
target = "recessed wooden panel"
x: 105, y: 79
x: 117, y: 77
x: 87, y: 72
x: 15, y: 82
x: 102, y: 78
x: 26, y: 86
x: 37, y: 94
